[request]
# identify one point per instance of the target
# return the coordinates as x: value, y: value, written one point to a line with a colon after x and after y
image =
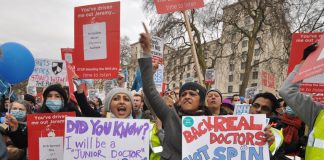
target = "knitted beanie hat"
x: 215, y: 90
x: 194, y: 87
x: 114, y: 91
x: 58, y: 88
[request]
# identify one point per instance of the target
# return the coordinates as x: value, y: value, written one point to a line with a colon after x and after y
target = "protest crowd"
x: 188, y: 122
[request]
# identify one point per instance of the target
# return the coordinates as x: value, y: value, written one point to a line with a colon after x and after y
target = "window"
x: 231, y: 67
x: 254, y: 85
x: 188, y: 75
x: 174, y: 70
x: 243, y: 65
x: 241, y: 76
x: 188, y: 59
x: 257, y: 52
x: 181, y: 76
x: 244, y: 56
x: 174, y: 61
x: 240, y: 87
x: 256, y: 63
x: 244, y: 43
x: 255, y: 75
x: 230, y: 89
x: 230, y: 78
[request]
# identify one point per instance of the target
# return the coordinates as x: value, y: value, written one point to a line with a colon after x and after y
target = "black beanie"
x: 58, y: 88
x: 194, y: 87
x: 28, y: 97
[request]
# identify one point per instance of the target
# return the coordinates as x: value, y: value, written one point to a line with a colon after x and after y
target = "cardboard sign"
x: 299, y: 42
x: 210, y: 76
x: 157, y: 49
x: 241, y: 109
x: 103, y: 138
x: 168, y: 6
x: 97, y: 40
x: 224, y: 137
x: 313, y: 65
x: 47, y: 72
x: 158, y: 78
x: 45, y: 135
x: 67, y: 54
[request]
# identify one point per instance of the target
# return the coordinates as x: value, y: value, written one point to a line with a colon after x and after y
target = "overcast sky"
x: 45, y: 26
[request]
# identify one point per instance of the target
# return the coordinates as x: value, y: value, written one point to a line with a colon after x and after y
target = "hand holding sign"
x: 308, y: 50
x: 145, y: 41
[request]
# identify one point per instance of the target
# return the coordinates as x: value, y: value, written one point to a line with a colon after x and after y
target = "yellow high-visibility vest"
x: 315, y: 144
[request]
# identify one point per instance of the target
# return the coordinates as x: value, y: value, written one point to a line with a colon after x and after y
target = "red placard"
x: 97, y: 40
x: 67, y: 54
x: 313, y: 65
x: 299, y: 42
x: 167, y: 6
x: 42, y: 126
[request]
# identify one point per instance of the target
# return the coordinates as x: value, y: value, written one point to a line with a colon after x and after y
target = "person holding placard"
x: 191, y: 103
x: 266, y: 103
x: 17, y: 114
x: 312, y: 113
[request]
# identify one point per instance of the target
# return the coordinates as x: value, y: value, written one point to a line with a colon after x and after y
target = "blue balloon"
x: 16, y: 62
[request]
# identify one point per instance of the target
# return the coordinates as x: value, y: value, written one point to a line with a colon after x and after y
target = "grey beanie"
x: 114, y: 91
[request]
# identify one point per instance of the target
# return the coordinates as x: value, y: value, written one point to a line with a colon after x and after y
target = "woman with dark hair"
x: 191, y: 103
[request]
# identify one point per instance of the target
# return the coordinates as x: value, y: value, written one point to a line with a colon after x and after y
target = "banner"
x: 67, y: 54
x: 241, y: 109
x: 158, y: 78
x: 210, y: 76
x: 97, y: 40
x: 47, y: 72
x: 299, y: 42
x: 103, y: 138
x: 157, y: 50
x: 168, y: 6
x: 224, y: 137
x: 45, y: 135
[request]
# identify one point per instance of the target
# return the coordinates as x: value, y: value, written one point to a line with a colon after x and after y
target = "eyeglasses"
x: 264, y: 109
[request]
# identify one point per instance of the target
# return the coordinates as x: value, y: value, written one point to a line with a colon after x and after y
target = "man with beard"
x: 138, y: 106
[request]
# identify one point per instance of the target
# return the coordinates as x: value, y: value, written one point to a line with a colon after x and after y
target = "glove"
x: 308, y: 50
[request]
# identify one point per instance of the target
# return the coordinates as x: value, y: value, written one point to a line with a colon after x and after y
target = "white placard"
x: 224, y: 137
x: 158, y: 78
x: 47, y: 72
x: 106, y: 139
x: 241, y: 109
x: 50, y: 148
x: 94, y: 41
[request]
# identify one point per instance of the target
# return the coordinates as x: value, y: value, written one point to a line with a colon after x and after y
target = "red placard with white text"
x: 45, y: 135
x: 167, y: 6
x: 97, y: 40
x: 313, y: 65
x: 67, y: 54
x: 299, y: 42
